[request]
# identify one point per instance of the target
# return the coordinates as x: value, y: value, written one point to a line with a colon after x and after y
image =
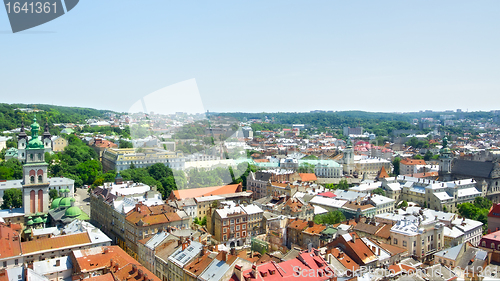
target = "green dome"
x: 30, y: 217
x: 72, y: 199
x: 38, y: 220
x: 55, y: 203
x: 38, y: 214
x: 45, y: 220
x: 67, y: 190
x: 65, y: 202
x: 30, y: 222
x: 35, y: 143
x: 73, y: 212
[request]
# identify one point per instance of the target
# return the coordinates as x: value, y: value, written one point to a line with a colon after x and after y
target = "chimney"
x: 145, y: 277
x: 254, y: 271
x: 111, y: 263
x: 353, y: 238
x: 139, y: 273
x: 106, y: 250
x: 134, y: 268
x: 310, y: 223
x: 58, y: 262
x: 224, y: 256
x: 2, y: 272
x: 238, y: 272
x: 117, y: 266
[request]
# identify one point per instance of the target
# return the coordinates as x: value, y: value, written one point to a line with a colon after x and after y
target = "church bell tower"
x: 35, y: 181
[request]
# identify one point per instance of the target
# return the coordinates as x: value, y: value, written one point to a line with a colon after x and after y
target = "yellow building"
x: 59, y: 143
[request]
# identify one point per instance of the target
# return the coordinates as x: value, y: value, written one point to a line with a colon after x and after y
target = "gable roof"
x: 494, y: 211
x: 55, y: 243
x: 382, y: 174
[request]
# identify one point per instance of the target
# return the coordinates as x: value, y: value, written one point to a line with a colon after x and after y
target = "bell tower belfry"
x: 445, y: 159
x: 35, y: 180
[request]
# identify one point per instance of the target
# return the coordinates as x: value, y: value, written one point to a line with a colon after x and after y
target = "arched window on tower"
x: 40, y: 179
x: 32, y: 201
x: 40, y: 200
x: 32, y: 179
x: 31, y: 156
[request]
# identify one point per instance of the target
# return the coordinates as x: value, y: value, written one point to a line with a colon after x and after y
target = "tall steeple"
x: 445, y: 161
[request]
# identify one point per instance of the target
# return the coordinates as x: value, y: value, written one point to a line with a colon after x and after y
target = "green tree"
x: 12, y: 198
x: 53, y: 194
x: 482, y: 202
x: 395, y: 163
x: 379, y: 191
x: 330, y: 218
x: 428, y: 155
x: 125, y: 144
x: 403, y: 204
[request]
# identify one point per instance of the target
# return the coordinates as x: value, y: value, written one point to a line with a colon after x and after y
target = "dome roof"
x: 35, y: 143
x: 65, y: 202
x: 55, y: 203
x: 72, y: 199
x: 30, y: 222
x: 38, y: 220
x: 66, y: 190
x: 73, y: 212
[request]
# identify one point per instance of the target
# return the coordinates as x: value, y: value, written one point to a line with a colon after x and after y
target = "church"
x: 36, y: 184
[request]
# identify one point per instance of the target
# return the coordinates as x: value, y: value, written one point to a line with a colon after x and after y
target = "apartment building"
x: 120, y: 159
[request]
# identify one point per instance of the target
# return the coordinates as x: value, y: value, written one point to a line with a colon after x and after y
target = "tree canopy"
x: 12, y: 198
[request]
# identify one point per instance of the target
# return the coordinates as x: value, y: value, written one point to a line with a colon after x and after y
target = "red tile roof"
x: 382, y: 174
x: 304, y: 263
x: 10, y: 246
x: 495, y: 211
x: 55, y: 243
x: 327, y: 194
x: 308, y: 177
x: 409, y: 161
x: 121, y: 265
x: 205, y: 191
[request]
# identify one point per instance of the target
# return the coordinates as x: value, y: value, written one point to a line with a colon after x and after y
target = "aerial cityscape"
x: 322, y: 195
x: 249, y: 140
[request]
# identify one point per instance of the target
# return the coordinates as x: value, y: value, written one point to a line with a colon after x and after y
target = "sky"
x: 260, y: 56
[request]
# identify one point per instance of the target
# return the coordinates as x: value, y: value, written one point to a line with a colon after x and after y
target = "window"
x: 237, y: 235
x: 232, y: 221
x: 225, y: 230
x: 40, y: 178
x: 237, y: 228
x: 16, y: 262
x: 404, y: 243
x: 243, y: 234
x: 395, y: 241
x: 493, y: 245
x: 225, y: 222
x: 244, y: 226
x: 484, y: 243
x: 237, y: 220
x: 224, y: 238
x: 4, y: 264
x: 32, y: 179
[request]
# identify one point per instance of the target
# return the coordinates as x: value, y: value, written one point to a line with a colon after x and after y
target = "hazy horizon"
x: 260, y: 56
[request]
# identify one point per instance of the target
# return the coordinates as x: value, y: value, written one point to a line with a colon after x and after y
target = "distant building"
x: 59, y: 143
x: 352, y: 131
x: 120, y: 159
